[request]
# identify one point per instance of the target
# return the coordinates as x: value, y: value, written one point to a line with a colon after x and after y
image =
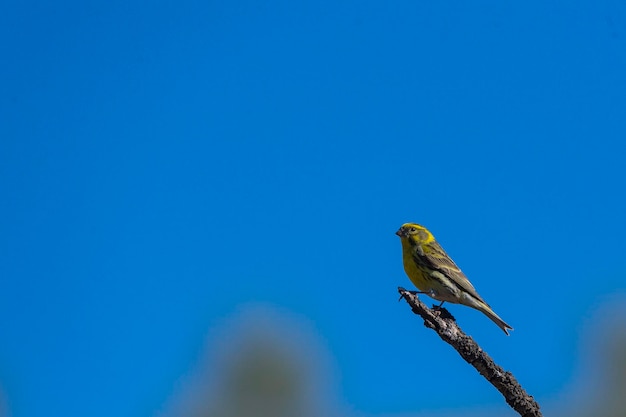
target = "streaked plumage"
x: 433, y: 272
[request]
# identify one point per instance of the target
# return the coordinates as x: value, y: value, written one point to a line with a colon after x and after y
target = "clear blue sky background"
x: 163, y: 164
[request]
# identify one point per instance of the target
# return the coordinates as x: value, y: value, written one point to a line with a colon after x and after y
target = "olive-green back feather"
x: 433, y: 256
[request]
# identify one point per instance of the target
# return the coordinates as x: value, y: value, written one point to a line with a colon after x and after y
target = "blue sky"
x: 164, y: 165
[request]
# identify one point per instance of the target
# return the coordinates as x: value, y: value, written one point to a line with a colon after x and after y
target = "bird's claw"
x: 412, y: 292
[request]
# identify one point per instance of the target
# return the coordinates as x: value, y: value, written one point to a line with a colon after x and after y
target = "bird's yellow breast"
x: 413, y: 271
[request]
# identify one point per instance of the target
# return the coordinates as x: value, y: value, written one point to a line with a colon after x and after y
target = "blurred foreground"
x: 261, y: 363
x: 266, y: 362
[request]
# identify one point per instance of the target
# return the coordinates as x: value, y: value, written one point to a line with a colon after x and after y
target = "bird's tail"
x: 494, y: 317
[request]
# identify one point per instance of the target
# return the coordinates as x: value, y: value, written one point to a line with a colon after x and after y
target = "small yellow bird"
x: 434, y: 273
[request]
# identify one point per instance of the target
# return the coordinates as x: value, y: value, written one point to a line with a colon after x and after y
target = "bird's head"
x: 414, y: 232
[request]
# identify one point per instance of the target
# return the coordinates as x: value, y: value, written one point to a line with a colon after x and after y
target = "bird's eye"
x: 412, y: 229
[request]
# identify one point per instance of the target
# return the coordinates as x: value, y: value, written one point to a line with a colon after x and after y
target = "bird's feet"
x: 443, y: 312
x: 402, y: 290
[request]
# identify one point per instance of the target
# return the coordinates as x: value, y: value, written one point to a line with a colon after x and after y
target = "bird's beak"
x: 400, y: 232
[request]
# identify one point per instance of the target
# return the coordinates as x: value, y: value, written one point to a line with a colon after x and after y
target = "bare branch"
x: 442, y: 322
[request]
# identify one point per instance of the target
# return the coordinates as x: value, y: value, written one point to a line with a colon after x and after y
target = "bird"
x: 434, y: 273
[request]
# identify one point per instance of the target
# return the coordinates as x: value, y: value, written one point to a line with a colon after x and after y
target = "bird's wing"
x: 437, y: 259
